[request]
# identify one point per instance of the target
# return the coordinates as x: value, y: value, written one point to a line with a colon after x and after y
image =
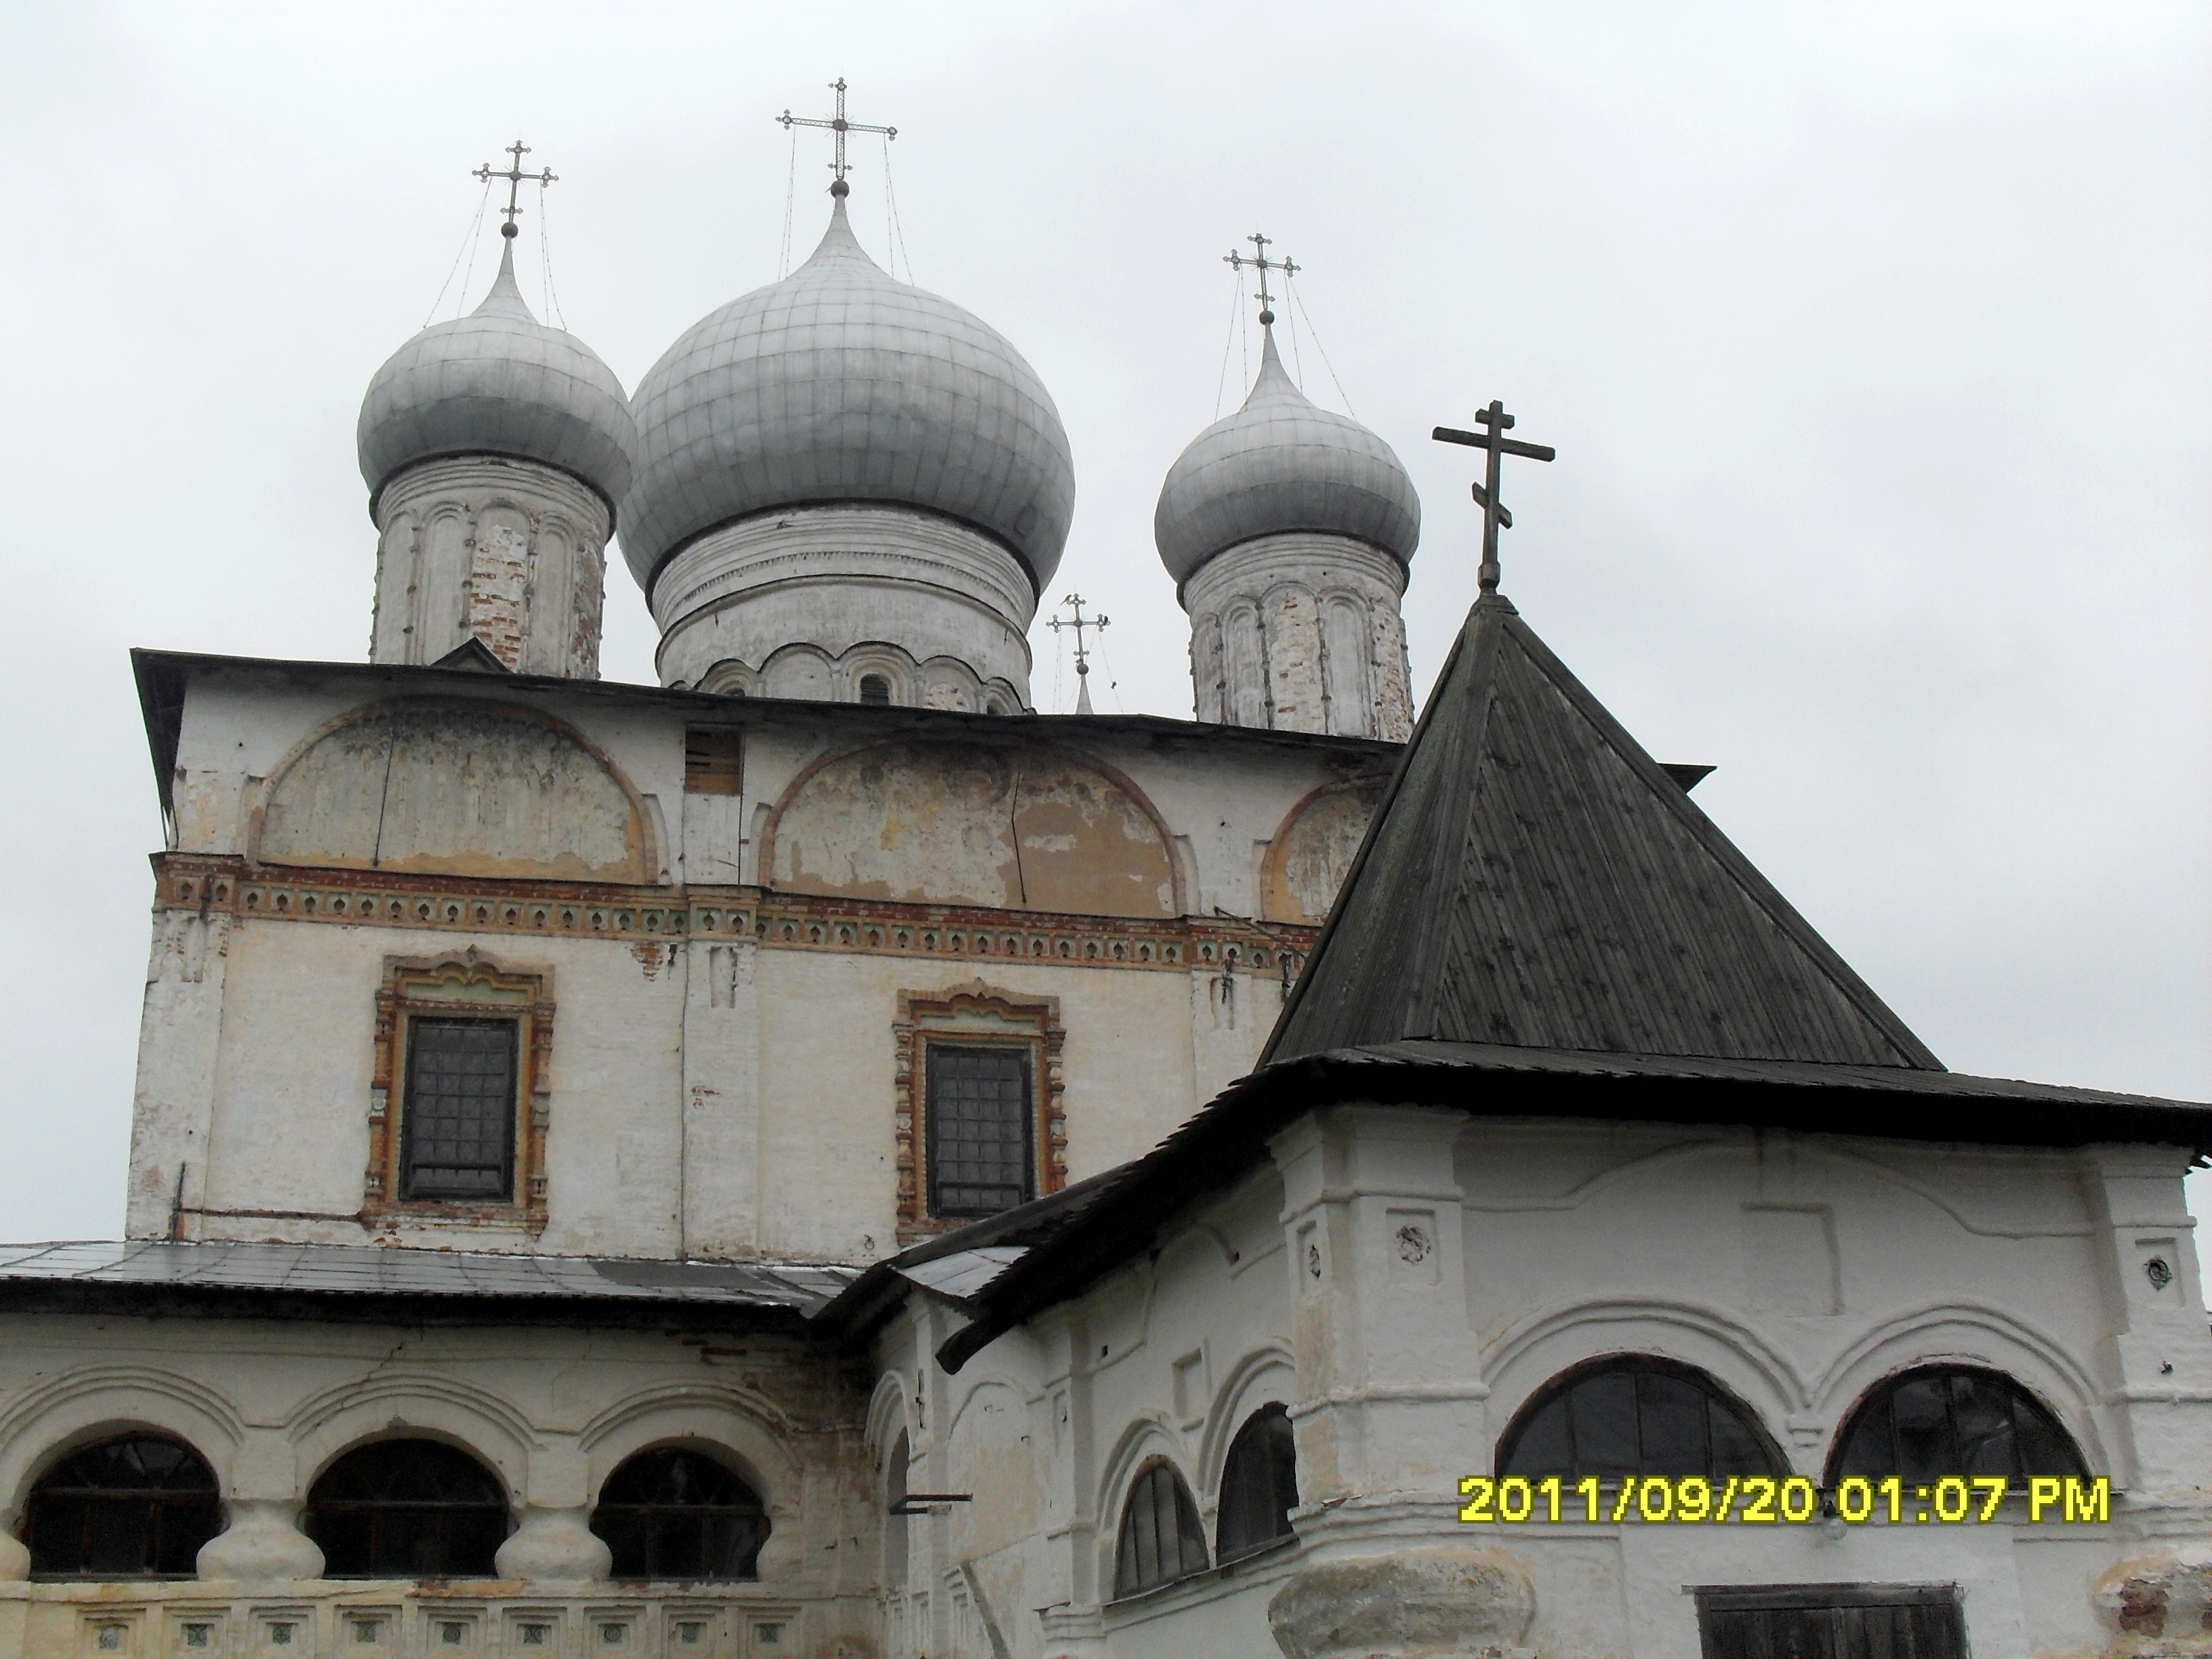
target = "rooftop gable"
x: 1534, y: 880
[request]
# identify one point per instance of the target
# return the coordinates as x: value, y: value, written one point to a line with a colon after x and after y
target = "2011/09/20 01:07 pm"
x: 1758, y: 1500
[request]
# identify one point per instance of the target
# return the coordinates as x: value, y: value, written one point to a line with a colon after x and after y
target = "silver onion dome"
x: 499, y: 382
x: 839, y: 384
x: 1280, y: 462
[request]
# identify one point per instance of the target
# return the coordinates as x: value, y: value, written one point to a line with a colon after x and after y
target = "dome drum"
x: 833, y: 578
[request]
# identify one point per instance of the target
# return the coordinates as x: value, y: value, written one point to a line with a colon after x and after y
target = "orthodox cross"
x: 1264, y: 265
x: 1495, y: 423
x: 1082, y: 658
x: 514, y: 175
x: 838, y: 125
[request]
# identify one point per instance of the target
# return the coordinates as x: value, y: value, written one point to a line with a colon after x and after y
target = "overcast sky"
x: 1872, y: 338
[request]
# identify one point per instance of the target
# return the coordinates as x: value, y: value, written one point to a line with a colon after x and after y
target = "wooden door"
x: 1832, y: 1621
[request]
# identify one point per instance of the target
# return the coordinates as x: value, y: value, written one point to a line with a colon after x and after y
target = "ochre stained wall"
x: 1313, y: 850
x: 465, y: 788
x: 960, y: 823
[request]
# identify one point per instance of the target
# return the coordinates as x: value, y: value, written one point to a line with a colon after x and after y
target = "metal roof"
x: 498, y: 382
x: 1280, y: 462
x: 1533, y: 878
x: 322, y: 1279
x: 1124, y: 1210
x: 839, y: 383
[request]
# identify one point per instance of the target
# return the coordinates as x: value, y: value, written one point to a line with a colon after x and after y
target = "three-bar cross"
x: 1495, y: 423
x: 838, y: 125
x: 514, y: 175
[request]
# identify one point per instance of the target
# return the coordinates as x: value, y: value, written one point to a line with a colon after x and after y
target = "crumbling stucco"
x: 1312, y: 852
x: 1413, y: 1604
x: 477, y: 789
x: 1022, y: 828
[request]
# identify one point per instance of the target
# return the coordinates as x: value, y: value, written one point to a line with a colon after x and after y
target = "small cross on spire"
x: 514, y: 175
x: 1082, y: 657
x: 1264, y: 265
x: 838, y: 125
x: 1496, y: 423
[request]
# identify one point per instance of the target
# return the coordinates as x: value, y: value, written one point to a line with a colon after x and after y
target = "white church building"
x: 815, y: 1157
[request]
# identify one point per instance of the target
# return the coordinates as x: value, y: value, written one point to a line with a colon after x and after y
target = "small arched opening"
x: 407, y: 1508
x: 676, y: 1514
x: 1161, y: 1539
x: 137, y: 1506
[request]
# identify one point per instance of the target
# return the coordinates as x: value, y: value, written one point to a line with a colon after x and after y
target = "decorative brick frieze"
x: 457, y: 904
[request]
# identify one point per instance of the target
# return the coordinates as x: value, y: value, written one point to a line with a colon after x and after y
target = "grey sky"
x: 1873, y: 340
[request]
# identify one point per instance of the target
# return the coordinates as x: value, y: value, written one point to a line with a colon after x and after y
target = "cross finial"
x: 1495, y: 423
x: 1264, y: 265
x: 838, y: 125
x: 1082, y: 656
x: 514, y: 175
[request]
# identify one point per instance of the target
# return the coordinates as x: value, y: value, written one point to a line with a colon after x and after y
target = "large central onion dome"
x: 840, y: 385
x: 1282, y: 464
x: 498, y: 382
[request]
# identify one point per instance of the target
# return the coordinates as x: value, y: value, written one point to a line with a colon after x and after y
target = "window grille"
x: 1931, y: 1425
x: 875, y: 689
x: 137, y: 1507
x: 1161, y: 1539
x: 407, y: 1508
x: 1259, y: 1485
x: 457, y: 1124
x: 675, y: 1514
x: 982, y: 1145
x: 1635, y: 1416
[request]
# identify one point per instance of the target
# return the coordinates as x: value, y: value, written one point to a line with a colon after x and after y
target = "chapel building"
x: 816, y: 1157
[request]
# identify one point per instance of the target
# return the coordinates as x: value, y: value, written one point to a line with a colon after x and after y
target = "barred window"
x: 982, y: 1136
x: 137, y: 1507
x: 1161, y: 1539
x: 1259, y: 1485
x: 677, y: 1514
x: 407, y: 1508
x: 457, y: 1124
x: 1930, y: 1424
x: 1635, y: 1415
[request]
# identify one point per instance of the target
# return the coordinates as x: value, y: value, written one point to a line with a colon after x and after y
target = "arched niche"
x: 1313, y: 849
x: 968, y: 823
x: 457, y: 787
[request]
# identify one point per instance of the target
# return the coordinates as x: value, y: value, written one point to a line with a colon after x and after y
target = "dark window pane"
x: 1671, y: 1423
x: 673, y: 1513
x: 980, y: 1131
x: 407, y: 1508
x: 1542, y: 1448
x: 131, y: 1508
x: 1925, y: 1447
x: 875, y: 689
x: 1161, y: 1539
x: 1933, y: 1424
x: 456, y: 1126
x: 1259, y: 1484
x: 1601, y: 1410
x: 1635, y: 1417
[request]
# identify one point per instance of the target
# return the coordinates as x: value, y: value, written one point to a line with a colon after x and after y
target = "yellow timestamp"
x: 1760, y: 1501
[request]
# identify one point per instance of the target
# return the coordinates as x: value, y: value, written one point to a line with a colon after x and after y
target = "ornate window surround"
x: 467, y: 984
x: 973, y: 1015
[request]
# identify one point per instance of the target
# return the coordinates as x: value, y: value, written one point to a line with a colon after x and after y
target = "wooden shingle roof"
x: 1534, y: 880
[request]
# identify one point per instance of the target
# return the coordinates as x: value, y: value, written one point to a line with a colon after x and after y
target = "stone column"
x: 262, y: 1540
x: 553, y: 1539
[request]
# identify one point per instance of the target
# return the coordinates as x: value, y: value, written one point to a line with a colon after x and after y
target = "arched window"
x: 1161, y: 1539
x: 1953, y: 1420
x: 1259, y: 1485
x: 895, y: 1521
x: 675, y: 1514
x: 407, y: 1508
x: 136, y: 1507
x: 1633, y: 1415
x: 875, y: 689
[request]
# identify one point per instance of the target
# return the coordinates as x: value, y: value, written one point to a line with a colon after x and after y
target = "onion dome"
x: 1281, y: 463
x: 499, y: 382
x: 839, y: 384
